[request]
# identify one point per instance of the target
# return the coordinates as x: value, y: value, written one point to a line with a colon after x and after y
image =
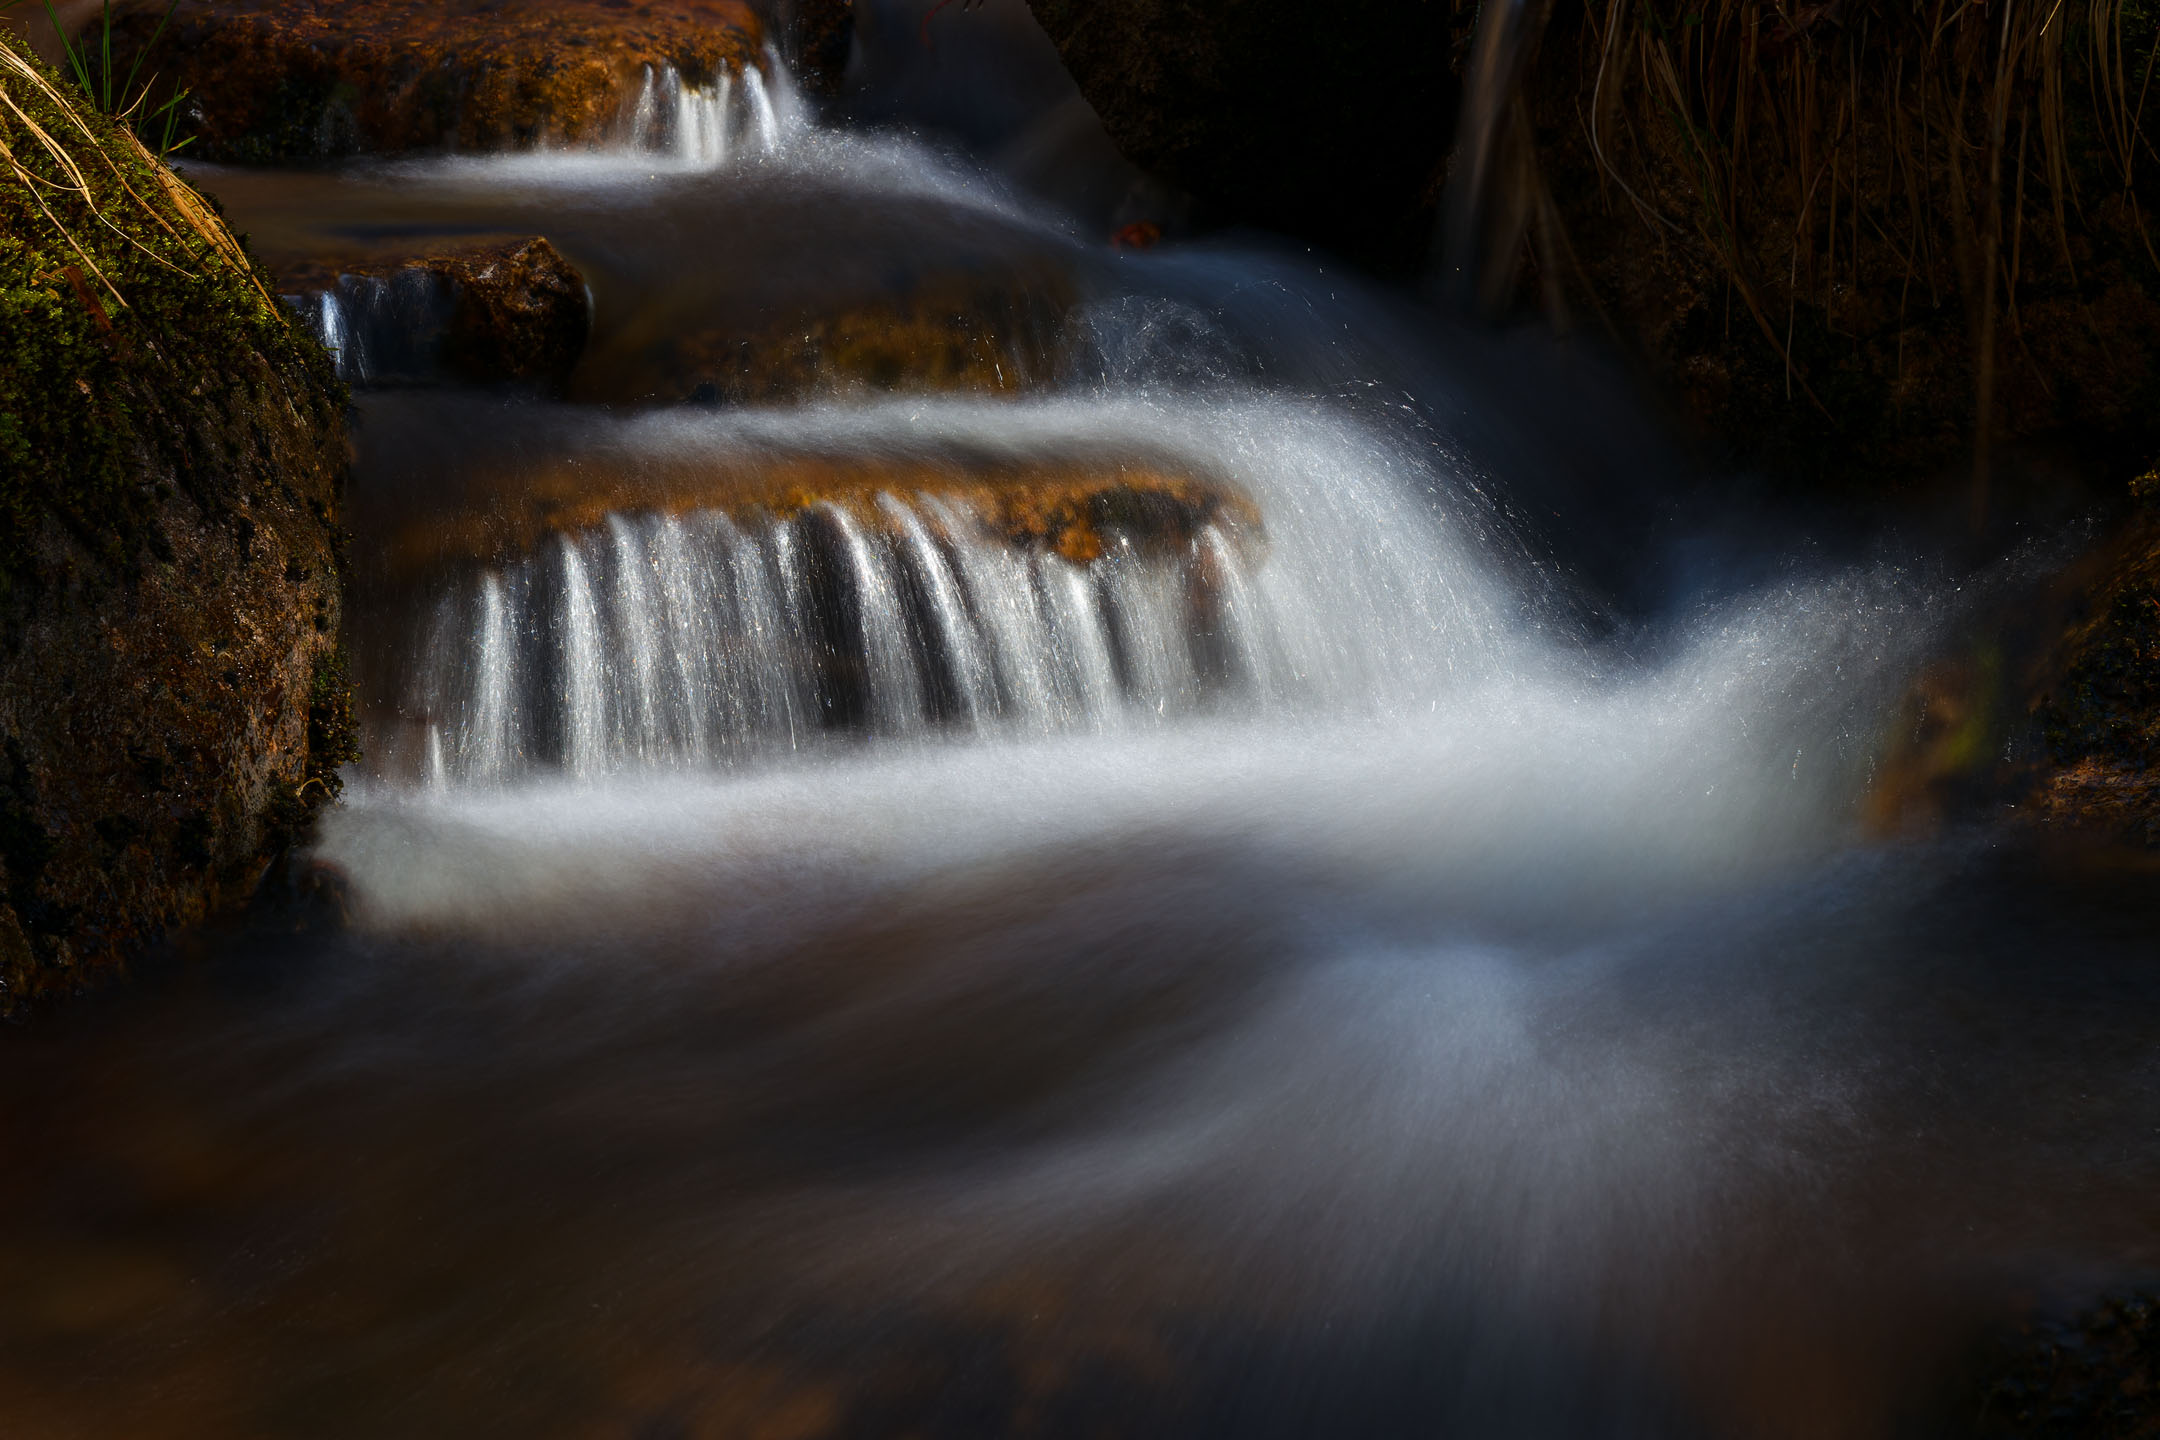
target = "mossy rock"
x: 171, y: 457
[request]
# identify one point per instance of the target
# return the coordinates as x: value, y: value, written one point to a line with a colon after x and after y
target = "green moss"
x: 333, y: 737
x: 107, y: 383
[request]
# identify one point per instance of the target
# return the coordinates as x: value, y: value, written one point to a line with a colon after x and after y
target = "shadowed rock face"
x: 484, y: 312
x: 165, y: 733
x: 2102, y: 717
x: 2046, y: 708
x: 297, y: 79
x: 2091, y: 1376
x: 1331, y: 122
x: 979, y: 333
x: 819, y: 35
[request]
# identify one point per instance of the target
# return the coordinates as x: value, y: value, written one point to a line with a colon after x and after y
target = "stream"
x: 1379, y: 942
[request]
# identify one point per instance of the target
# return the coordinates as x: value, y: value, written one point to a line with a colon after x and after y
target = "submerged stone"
x: 995, y: 333
x: 297, y: 79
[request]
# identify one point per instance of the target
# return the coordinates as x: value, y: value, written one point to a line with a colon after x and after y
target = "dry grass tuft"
x: 1850, y: 165
x: 23, y: 89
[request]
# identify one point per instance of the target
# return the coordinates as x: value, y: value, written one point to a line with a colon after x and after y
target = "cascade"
x: 704, y: 127
x: 386, y: 329
x: 662, y: 639
x: 1128, y: 894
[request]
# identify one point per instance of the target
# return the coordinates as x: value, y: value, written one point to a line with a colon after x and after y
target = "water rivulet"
x: 1146, y: 895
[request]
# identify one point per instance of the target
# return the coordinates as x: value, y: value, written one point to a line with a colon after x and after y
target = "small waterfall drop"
x: 709, y: 126
x: 586, y: 748
x: 662, y: 640
x: 694, y: 615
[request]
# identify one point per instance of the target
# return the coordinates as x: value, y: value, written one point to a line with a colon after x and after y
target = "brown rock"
x: 291, y: 79
x: 986, y: 334
x: 2101, y: 716
x: 1069, y: 508
x: 164, y: 737
x: 2094, y: 1375
x: 172, y: 707
x: 512, y: 310
x: 2050, y: 707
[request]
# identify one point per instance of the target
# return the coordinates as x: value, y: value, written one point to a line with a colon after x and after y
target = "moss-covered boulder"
x: 171, y: 452
x: 302, y: 79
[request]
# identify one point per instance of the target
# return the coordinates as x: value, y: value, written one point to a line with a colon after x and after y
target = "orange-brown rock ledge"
x: 277, y: 80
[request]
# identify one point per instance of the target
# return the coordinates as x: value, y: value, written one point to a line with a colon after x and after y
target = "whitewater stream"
x: 1312, y: 955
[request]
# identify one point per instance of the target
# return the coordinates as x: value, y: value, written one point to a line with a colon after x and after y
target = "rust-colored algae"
x: 1072, y: 509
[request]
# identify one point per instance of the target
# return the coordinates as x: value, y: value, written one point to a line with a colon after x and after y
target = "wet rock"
x: 484, y: 313
x: 295, y: 79
x: 818, y: 36
x: 1942, y: 754
x: 980, y: 334
x: 1329, y: 122
x: 172, y: 708
x: 2101, y: 717
x: 2091, y: 1376
x: 1076, y: 510
x: 2047, y: 708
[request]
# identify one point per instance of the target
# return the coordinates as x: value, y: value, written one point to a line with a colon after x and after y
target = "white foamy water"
x: 1371, y: 587
x: 678, y: 750
x: 706, y: 127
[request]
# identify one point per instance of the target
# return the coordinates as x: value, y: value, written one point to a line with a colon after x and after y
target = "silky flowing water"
x: 834, y: 969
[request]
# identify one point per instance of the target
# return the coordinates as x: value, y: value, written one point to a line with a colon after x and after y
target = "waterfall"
x: 953, y: 633
x: 707, y: 127
x: 387, y: 329
x: 662, y: 640
x: 586, y: 748
x: 702, y: 588
x: 380, y: 329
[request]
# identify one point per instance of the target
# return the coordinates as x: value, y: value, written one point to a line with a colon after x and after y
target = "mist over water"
x: 830, y: 969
